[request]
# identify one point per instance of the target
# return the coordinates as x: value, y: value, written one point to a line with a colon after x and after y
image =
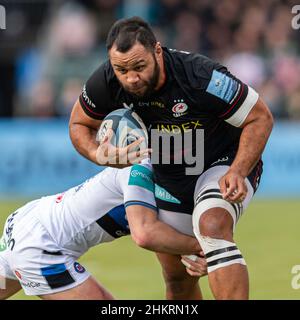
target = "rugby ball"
x: 127, y: 127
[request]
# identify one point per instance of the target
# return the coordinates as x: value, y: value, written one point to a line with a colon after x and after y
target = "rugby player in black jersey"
x: 179, y: 93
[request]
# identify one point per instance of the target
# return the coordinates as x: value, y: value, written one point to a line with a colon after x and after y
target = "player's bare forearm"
x: 84, y: 140
x: 150, y: 233
x: 165, y: 239
x: 82, y: 130
x: 256, y: 131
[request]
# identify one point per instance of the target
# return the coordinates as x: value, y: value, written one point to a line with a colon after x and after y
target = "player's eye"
x: 139, y: 68
x: 122, y: 71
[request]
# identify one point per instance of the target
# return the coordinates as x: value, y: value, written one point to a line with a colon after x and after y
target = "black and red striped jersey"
x: 198, y: 93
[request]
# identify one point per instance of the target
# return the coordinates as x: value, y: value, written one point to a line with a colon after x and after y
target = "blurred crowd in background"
x: 51, y: 47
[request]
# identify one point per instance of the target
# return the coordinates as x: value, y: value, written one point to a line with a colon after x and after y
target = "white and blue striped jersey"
x: 94, y: 212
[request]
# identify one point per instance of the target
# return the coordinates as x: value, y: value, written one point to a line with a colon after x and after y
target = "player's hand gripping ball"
x: 123, y: 138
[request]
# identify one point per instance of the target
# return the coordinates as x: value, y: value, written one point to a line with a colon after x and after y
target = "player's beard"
x: 151, y: 84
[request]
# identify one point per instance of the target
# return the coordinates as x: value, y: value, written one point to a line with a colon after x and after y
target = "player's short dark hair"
x: 126, y: 32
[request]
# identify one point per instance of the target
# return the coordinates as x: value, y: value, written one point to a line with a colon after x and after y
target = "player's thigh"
x: 210, y: 206
x: 8, y: 288
x: 180, y: 221
x: 90, y: 289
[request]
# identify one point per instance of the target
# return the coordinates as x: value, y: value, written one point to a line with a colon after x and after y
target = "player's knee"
x: 216, y: 223
x: 214, y: 233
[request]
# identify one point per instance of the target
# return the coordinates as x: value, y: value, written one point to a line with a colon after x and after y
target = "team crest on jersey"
x: 180, y: 108
x: 78, y: 267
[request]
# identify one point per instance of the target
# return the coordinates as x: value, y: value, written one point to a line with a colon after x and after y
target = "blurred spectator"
x: 42, y: 99
x: 274, y: 98
x: 57, y: 45
x: 286, y: 73
x: 105, y: 13
x: 293, y: 104
x: 248, y: 67
x: 187, y: 31
x: 66, y: 54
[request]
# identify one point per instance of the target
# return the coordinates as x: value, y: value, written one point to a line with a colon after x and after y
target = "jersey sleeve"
x: 95, y: 97
x: 226, y: 96
x: 137, y: 186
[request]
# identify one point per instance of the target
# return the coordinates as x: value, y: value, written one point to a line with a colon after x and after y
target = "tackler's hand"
x: 196, y: 265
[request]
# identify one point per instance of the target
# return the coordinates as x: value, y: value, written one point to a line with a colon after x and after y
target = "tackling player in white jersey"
x: 43, y: 239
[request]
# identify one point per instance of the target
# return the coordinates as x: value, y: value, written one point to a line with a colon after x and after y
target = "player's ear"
x: 158, y: 48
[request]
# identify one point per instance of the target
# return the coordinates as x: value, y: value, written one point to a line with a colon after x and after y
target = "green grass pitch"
x: 267, y: 235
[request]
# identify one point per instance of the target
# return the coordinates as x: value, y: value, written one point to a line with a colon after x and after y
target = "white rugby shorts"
x: 207, y: 191
x: 29, y: 254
